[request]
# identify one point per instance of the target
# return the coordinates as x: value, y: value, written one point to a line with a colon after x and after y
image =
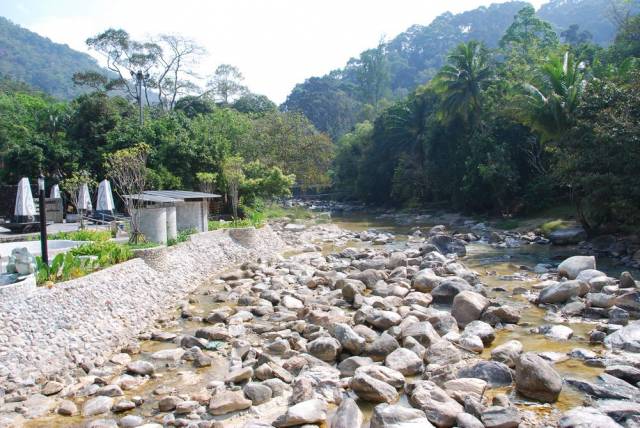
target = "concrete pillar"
x: 172, y: 229
x: 153, y: 224
x: 190, y: 215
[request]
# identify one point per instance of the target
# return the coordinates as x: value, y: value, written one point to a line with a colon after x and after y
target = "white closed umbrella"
x: 24, y: 200
x: 84, y: 199
x: 105, y: 197
x: 55, y: 192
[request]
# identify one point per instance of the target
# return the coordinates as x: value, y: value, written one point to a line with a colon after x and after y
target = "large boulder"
x: 536, y: 379
x: 448, y: 245
x: 396, y: 416
x: 586, y: 417
x: 227, y: 402
x: 385, y: 374
x: 568, y: 236
x: 441, y: 410
x: 307, y: 412
x: 629, y: 301
x: 627, y: 338
x: 494, y: 373
x: 571, y: 267
x: 351, y: 341
x: 560, y: 292
x: 447, y: 290
x: 324, y: 348
x: 422, y: 331
x: 348, y: 415
x: 468, y: 306
x: 507, y: 353
x: 425, y: 280
x: 373, y: 390
x: 404, y: 361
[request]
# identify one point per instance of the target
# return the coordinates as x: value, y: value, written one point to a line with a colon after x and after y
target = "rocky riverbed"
x: 369, y: 328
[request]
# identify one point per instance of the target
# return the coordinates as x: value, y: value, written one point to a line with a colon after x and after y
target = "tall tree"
x: 528, y: 32
x: 226, y: 84
x: 372, y: 73
x: 549, y: 107
x: 461, y: 81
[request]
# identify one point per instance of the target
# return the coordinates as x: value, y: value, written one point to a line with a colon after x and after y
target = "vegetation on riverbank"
x: 511, y: 131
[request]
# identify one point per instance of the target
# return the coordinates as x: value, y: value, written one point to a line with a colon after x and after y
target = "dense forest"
x: 379, y: 76
x: 37, y: 61
x: 531, y: 123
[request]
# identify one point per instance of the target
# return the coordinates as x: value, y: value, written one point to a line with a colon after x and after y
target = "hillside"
x: 337, y: 101
x: 27, y: 57
x: 596, y: 16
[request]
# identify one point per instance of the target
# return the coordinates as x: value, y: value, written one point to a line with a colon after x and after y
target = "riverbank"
x: 51, y: 332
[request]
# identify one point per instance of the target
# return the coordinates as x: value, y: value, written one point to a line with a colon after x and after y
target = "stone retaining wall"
x: 52, y: 330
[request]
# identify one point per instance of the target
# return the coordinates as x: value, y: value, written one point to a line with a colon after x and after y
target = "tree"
x: 164, y: 64
x: 461, y: 81
x: 528, y: 32
x: 372, y: 74
x: 175, y: 57
x: 264, y: 182
x: 575, y: 37
x: 125, y: 57
x: 254, y: 104
x: 207, y: 181
x: 234, y: 177
x: 72, y: 186
x: 596, y: 160
x: 549, y: 107
x: 226, y: 84
x: 290, y: 142
x: 128, y: 170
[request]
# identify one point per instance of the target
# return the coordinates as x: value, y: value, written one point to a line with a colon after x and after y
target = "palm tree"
x: 461, y: 81
x: 550, y: 107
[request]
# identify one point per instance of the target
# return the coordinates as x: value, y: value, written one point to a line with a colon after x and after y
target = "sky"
x: 275, y: 43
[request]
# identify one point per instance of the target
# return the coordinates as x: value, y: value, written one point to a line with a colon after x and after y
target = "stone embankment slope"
x: 52, y: 331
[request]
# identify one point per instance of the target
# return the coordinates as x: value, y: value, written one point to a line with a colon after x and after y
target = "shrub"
x: 83, y: 235
x: 108, y: 252
x: 182, y: 236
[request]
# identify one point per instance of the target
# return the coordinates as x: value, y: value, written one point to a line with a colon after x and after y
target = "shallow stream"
x: 503, y: 271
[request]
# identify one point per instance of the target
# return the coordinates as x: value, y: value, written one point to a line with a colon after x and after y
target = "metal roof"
x: 171, y: 196
x: 183, y: 195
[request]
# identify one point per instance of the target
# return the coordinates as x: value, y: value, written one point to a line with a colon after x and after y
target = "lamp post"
x: 43, y: 222
x: 140, y: 77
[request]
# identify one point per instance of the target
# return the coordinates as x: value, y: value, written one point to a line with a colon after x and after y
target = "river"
x: 506, y: 272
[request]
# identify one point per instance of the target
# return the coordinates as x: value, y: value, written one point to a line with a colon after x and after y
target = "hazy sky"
x: 275, y: 43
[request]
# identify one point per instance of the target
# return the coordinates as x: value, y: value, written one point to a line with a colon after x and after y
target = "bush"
x: 108, y: 252
x: 181, y: 237
x: 83, y: 235
x: 64, y: 267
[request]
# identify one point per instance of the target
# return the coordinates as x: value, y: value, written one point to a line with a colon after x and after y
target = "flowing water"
x: 503, y: 271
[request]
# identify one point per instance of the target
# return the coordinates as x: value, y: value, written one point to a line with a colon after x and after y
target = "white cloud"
x: 275, y: 43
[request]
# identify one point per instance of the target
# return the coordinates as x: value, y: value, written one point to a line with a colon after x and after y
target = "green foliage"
x: 64, y: 267
x: 182, y: 236
x: 107, y: 252
x: 39, y: 62
x: 461, y: 81
x: 83, y: 235
x: 553, y: 225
